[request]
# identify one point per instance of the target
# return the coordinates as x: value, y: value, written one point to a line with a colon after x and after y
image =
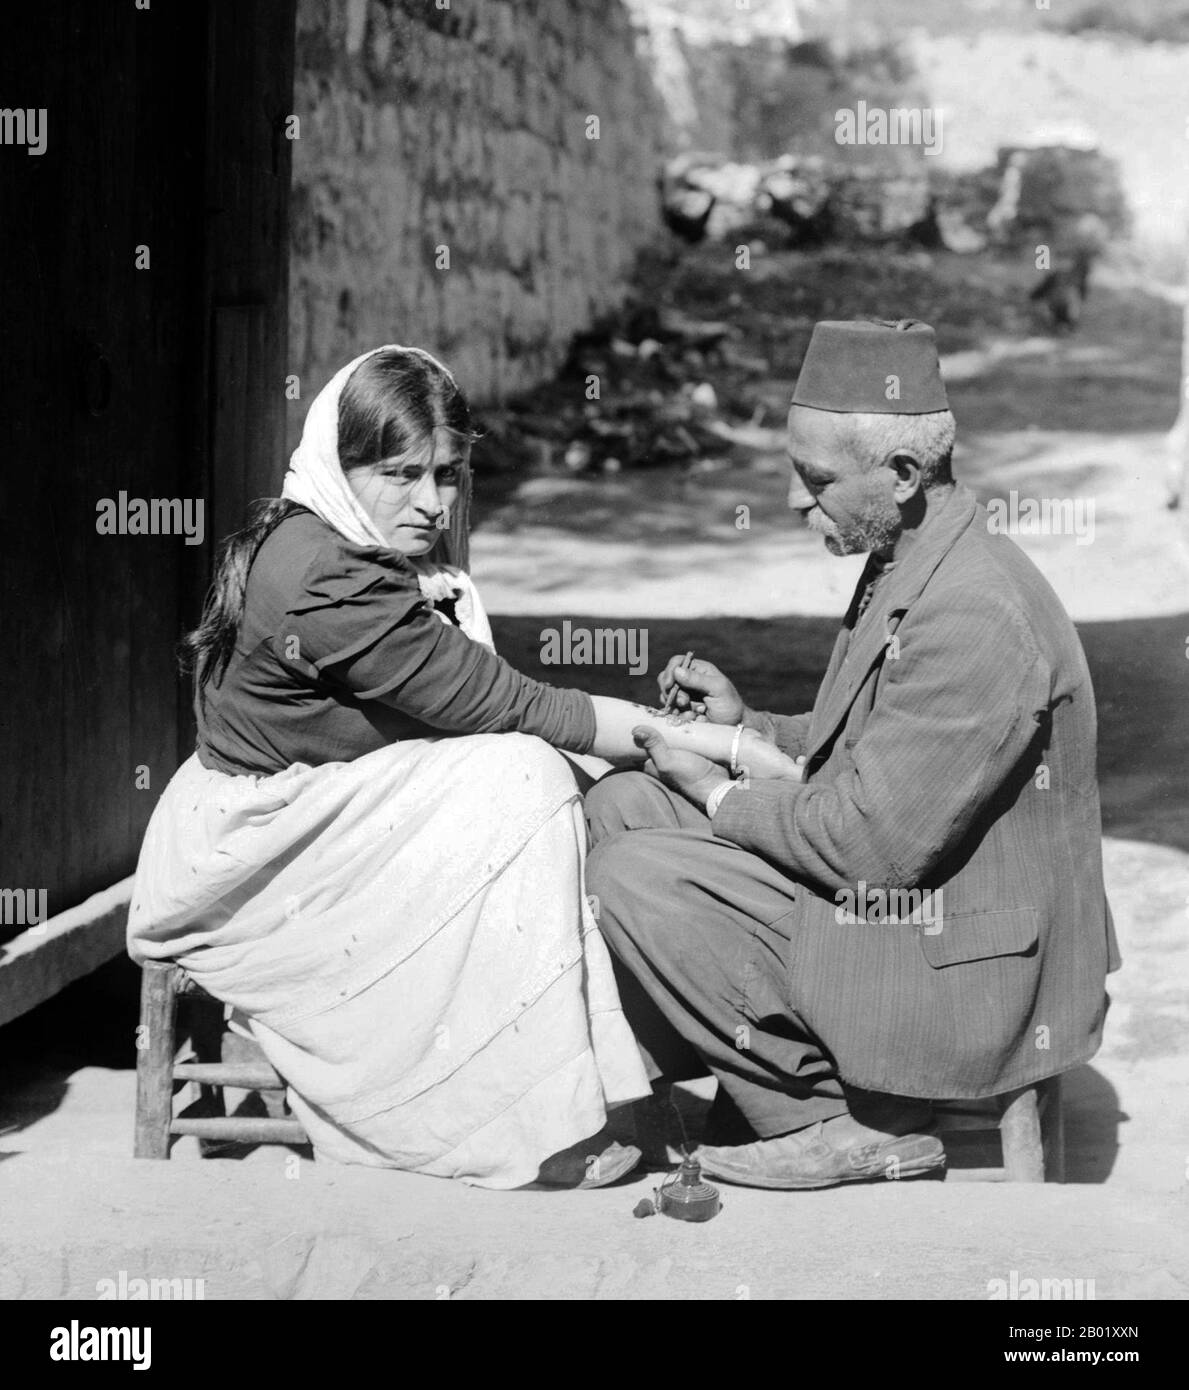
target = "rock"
x: 1051, y: 186
x: 577, y: 455
x: 744, y: 361
x: 958, y: 235
x: 691, y: 333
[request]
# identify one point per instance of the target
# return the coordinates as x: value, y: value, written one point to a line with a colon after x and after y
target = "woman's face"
x: 410, y: 499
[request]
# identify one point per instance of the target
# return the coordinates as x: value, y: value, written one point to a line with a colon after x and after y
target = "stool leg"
x: 1052, y: 1129
x: 206, y: 1036
x: 205, y: 1018
x: 1019, y: 1132
x: 154, y: 1059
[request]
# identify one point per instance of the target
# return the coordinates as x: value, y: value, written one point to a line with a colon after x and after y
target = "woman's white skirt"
x: 410, y: 937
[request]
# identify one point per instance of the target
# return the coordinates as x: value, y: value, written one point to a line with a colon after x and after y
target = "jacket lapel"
x: 856, y: 653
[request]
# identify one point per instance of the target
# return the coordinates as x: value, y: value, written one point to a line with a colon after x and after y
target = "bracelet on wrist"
x: 736, y: 770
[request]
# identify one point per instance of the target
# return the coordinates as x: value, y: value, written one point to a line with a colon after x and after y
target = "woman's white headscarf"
x: 316, y: 480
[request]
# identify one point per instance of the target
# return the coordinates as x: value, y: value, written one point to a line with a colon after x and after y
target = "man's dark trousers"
x: 701, y: 927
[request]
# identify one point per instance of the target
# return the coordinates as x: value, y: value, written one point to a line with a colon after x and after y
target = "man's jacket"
x: 951, y: 751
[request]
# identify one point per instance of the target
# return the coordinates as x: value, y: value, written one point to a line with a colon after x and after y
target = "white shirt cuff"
x: 714, y: 800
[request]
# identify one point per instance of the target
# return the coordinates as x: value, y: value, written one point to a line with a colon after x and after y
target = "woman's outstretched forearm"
x: 615, y: 720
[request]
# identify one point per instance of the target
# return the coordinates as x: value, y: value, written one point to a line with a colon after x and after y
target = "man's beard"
x: 874, y: 533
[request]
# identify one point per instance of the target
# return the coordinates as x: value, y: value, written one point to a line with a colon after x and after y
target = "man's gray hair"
x: 929, y: 438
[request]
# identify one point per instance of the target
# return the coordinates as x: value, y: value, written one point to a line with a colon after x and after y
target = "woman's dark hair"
x: 390, y: 406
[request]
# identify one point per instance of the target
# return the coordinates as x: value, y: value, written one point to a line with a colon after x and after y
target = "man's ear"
x: 908, y: 477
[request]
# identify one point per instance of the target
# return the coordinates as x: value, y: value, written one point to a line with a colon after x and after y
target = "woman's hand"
x: 759, y: 758
x: 703, y: 688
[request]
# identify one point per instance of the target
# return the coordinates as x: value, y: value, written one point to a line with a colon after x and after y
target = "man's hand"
x: 689, y: 773
x: 703, y: 688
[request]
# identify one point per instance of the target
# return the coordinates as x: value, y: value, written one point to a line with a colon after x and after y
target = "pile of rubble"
x: 634, y: 393
x: 1043, y: 188
x: 656, y: 385
x: 793, y: 202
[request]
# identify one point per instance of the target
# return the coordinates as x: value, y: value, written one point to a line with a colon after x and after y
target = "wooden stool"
x: 159, y: 1073
x: 1030, y: 1127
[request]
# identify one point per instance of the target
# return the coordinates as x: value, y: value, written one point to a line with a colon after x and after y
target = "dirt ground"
x: 661, y: 551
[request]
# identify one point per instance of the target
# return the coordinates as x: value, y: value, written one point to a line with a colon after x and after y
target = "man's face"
x: 853, y: 507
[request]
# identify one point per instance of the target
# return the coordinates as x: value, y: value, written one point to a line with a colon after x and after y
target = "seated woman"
x: 374, y: 854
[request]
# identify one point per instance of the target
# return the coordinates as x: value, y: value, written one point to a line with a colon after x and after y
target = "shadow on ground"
x: 91, y: 1023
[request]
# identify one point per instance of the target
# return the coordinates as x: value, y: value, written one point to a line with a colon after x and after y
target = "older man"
x: 922, y: 915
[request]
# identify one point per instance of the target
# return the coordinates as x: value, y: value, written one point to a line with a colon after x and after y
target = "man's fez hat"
x: 872, y: 366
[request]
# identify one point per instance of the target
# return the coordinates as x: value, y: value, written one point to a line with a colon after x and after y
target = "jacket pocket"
x: 970, y: 936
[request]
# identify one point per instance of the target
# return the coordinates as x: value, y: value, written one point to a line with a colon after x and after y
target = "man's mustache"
x: 818, y: 521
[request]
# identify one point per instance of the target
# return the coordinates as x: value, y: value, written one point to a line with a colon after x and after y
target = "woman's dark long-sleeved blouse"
x: 339, y: 654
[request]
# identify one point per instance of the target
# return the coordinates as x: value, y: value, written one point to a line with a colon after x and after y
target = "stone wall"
x: 463, y: 132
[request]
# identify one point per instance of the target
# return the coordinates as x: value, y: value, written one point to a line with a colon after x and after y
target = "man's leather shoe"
x: 808, y: 1159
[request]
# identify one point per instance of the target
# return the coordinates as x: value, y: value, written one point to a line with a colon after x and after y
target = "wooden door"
x: 155, y: 217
